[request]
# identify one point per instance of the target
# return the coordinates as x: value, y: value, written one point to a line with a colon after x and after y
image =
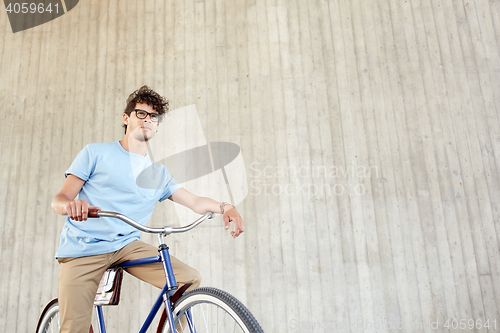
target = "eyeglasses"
x: 141, y: 114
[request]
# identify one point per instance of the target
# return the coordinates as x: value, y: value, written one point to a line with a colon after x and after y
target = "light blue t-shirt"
x: 111, y: 176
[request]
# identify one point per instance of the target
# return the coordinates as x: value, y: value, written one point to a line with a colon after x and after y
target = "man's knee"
x: 195, y: 279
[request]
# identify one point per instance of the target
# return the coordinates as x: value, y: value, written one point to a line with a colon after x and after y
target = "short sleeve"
x: 83, y: 166
x: 171, y: 186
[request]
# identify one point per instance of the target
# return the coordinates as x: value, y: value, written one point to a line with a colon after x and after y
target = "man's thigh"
x: 154, y: 273
x: 78, y: 282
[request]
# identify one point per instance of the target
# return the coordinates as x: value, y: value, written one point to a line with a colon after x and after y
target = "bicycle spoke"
x: 51, y: 326
x: 180, y: 324
x: 204, y: 318
x: 217, y: 318
x: 188, y: 323
x: 222, y: 323
x: 58, y: 322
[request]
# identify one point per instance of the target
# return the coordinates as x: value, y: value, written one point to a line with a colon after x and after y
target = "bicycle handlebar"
x: 94, y: 213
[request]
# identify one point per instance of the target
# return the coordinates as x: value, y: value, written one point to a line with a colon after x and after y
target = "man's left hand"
x: 232, y: 215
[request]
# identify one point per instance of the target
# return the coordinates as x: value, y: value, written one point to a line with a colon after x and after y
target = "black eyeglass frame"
x: 155, y: 117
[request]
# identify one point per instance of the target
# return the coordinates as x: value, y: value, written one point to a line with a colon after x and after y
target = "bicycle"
x: 204, y: 309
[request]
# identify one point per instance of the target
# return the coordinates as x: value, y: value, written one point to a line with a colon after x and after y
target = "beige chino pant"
x: 79, y: 278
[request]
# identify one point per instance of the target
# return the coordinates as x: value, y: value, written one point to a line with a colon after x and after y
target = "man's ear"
x: 125, y: 119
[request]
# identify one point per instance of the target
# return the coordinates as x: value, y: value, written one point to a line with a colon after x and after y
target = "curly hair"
x: 146, y: 95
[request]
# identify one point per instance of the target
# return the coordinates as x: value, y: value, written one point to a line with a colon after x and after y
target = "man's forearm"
x: 204, y: 205
x: 59, y: 204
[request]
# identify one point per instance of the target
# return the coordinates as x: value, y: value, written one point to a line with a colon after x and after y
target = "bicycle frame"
x: 164, y: 257
x: 166, y: 293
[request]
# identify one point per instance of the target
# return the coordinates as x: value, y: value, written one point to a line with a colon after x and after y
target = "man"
x: 104, y: 175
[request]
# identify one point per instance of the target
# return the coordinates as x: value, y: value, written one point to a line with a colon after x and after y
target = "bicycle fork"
x: 171, y: 286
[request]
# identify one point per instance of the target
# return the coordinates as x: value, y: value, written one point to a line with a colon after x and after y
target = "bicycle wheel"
x: 212, y: 310
x: 49, y: 321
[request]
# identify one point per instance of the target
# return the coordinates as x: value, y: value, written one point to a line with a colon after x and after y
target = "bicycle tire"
x: 235, y: 316
x: 49, y: 320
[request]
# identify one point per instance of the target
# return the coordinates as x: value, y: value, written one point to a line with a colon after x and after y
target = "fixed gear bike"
x: 201, y: 310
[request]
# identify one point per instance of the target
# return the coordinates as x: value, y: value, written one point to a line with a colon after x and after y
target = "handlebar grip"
x: 93, y: 212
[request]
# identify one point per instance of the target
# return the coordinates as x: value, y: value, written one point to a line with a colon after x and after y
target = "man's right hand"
x: 78, y: 210
x: 64, y: 204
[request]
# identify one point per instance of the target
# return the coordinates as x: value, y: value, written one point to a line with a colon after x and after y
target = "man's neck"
x: 134, y: 146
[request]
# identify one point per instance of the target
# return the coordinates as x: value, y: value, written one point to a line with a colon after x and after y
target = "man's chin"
x: 144, y: 136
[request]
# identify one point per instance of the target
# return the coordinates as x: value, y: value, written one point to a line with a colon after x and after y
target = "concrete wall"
x: 369, y: 132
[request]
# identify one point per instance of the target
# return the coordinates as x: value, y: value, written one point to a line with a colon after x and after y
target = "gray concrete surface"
x: 369, y: 132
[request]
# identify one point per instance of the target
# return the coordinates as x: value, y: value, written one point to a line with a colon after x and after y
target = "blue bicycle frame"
x: 164, y: 257
x: 165, y: 295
